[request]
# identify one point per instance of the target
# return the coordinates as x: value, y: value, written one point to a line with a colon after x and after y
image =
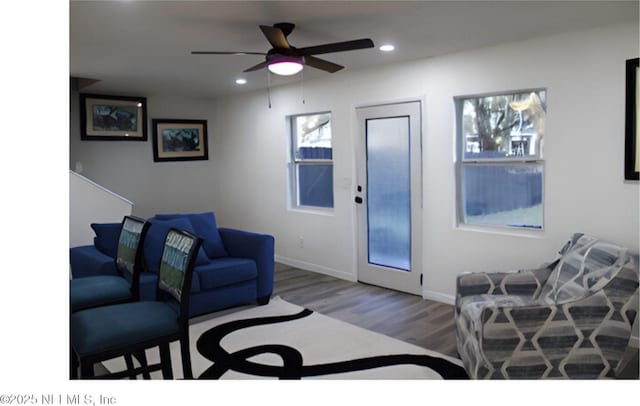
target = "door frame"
x: 359, y: 238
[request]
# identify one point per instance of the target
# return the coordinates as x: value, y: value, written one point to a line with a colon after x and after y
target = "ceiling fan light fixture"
x: 285, y: 66
x: 286, y: 60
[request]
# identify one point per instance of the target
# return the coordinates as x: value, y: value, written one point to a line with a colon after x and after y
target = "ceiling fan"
x: 284, y: 59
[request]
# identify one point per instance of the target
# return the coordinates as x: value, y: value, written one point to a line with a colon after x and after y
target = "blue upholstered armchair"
x: 570, y: 319
x: 233, y: 267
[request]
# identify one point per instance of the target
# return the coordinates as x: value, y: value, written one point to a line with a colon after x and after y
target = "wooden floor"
x: 406, y: 317
x: 409, y: 318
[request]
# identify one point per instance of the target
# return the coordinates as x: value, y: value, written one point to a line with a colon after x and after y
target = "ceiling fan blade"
x: 226, y: 53
x: 256, y: 67
x: 80, y: 83
x: 275, y: 36
x: 336, y: 47
x: 322, y: 64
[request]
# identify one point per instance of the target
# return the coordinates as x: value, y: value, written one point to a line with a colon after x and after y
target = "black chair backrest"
x: 176, y: 268
x: 129, y: 255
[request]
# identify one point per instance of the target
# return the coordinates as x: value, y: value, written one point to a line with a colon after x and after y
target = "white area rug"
x: 285, y: 341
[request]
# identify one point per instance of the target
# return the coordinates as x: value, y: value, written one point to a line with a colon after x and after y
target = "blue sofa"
x: 233, y: 267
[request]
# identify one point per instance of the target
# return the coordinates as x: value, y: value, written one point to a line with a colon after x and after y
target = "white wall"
x: 127, y: 167
x: 90, y: 203
x: 245, y: 179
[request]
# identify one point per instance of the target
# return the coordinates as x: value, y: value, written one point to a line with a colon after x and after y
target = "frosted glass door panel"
x: 389, y: 192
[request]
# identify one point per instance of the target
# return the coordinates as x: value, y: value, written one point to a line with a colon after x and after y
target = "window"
x: 312, y: 160
x: 499, y: 166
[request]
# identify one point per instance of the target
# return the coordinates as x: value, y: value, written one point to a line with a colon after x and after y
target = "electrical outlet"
x: 301, y: 242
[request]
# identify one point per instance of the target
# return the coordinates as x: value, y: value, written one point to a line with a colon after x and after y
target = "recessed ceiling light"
x: 241, y: 81
x: 387, y: 48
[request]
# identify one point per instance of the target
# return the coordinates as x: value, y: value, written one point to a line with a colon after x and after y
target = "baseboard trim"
x: 438, y: 297
x: 308, y: 266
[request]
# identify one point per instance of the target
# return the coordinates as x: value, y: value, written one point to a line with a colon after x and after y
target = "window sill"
x: 505, y: 231
x: 313, y: 210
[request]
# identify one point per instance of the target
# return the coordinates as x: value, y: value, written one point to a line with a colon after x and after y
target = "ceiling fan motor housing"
x: 286, y: 28
x: 284, y: 54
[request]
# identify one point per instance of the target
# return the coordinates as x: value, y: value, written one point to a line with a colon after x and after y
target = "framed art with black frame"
x: 179, y: 140
x: 632, y: 132
x: 113, y: 118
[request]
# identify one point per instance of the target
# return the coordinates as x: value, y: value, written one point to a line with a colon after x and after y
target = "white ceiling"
x: 143, y: 47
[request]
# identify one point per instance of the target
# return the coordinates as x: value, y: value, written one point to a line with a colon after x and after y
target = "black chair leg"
x: 186, y: 357
x: 73, y: 365
x: 165, y: 361
x: 129, y: 361
x: 86, y: 369
x: 142, y: 359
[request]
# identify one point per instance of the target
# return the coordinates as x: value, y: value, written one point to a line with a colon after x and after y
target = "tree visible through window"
x: 312, y: 169
x: 500, y: 167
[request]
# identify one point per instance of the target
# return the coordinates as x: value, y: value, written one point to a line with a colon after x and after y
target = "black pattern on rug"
x: 293, y: 367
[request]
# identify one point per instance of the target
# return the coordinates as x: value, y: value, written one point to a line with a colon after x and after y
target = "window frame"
x: 461, y: 161
x: 295, y: 162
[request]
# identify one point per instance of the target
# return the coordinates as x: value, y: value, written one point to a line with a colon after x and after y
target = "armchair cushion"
x: 106, y: 239
x: 225, y: 271
x: 87, y: 260
x: 587, y: 266
x: 204, y: 225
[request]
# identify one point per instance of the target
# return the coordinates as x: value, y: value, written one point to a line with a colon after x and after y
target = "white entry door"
x: 389, y: 196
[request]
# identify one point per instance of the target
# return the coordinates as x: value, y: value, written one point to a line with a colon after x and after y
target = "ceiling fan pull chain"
x: 269, y: 87
x: 302, y: 85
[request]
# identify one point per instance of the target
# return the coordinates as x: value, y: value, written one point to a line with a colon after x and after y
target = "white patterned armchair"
x: 569, y: 319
